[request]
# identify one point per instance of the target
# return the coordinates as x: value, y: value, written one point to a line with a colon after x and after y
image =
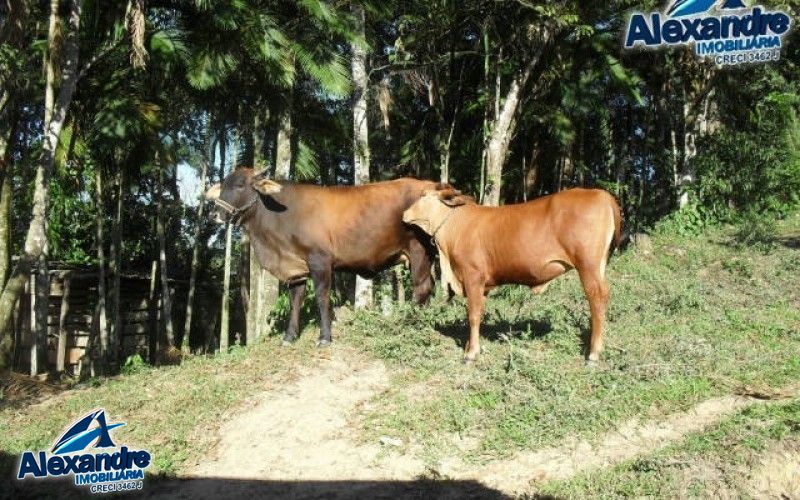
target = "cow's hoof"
x: 287, y: 343
x: 468, y: 361
x: 322, y: 343
x: 591, y: 364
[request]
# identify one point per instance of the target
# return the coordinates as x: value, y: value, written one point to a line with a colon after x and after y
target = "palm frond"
x: 306, y: 165
x: 208, y: 68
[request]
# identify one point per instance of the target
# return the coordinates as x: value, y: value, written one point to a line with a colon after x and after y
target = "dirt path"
x: 522, y: 471
x: 298, y: 443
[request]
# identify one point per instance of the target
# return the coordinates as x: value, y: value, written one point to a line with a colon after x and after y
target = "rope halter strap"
x: 441, y: 224
x: 235, y: 213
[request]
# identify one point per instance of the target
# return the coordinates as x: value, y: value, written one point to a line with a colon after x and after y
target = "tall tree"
x: 224, y: 332
x: 206, y: 156
x: 168, y: 335
x: 361, y: 153
x: 55, y: 115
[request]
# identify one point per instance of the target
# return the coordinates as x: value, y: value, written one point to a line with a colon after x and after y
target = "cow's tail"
x: 620, y: 238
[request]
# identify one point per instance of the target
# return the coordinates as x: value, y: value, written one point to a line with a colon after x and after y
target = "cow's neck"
x: 260, y: 226
x: 272, y: 244
x: 440, y: 227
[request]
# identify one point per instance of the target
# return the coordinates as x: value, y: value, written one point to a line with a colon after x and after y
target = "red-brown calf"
x: 529, y: 244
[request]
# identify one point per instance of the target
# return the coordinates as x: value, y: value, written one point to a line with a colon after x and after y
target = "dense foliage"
x: 166, y: 87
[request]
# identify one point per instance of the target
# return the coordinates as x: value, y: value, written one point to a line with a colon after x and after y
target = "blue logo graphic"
x: 79, y: 435
x: 100, y: 471
x: 683, y: 8
x: 725, y: 31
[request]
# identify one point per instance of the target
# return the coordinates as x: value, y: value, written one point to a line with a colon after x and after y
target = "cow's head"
x: 236, y: 197
x: 435, y: 205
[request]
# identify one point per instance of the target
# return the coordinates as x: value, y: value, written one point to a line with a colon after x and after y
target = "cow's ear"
x: 451, y: 197
x: 455, y: 201
x: 266, y: 186
x: 213, y: 192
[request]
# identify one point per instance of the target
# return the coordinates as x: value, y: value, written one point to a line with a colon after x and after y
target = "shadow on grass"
x: 18, y: 390
x: 792, y: 242
x: 500, y: 330
x: 344, y: 489
x: 213, y: 488
x: 495, y: 328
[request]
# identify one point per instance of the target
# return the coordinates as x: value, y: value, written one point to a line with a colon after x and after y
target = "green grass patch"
x: 171, y: 411
x: 691, y: 317
x: 719, y: 462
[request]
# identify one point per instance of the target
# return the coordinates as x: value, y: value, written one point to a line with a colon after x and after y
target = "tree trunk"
x: 12, y: 33
x: 264, y: 287
x: 504, y: 124
x: 36, y: 237
x: 168, y: 337
x: 115, y: 338
x: 283, y: 144
x: 224, y: 330
x: 101, y: 269
x: 485, y: 128
x: 363, y: 294
x: 6, y: 193
x: 187, y: 325
x: 254, y: 281
x: 61, y: 353
x: 152, y: 315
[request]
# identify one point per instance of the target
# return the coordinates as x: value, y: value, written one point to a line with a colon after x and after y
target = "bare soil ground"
x: 300, y: 441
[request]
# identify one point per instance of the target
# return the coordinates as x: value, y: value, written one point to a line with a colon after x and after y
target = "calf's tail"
x: 620, y: 239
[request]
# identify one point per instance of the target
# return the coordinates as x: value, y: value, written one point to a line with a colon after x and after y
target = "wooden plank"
x: 136, y: 317
x: 136, y: 329
x: 62, y: 332
x: 134, y: 341
x: 81, y: 341
x: 34, y: 340
x: 74, y: 355
x: 153, y: 308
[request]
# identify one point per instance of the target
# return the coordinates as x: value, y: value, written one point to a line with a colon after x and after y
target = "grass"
x: 170, y: 411
x: 720, y: 462
x: 690, y: 318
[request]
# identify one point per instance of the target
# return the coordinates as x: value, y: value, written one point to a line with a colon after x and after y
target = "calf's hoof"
x: 322, y: 343
x: 468, y: 361
x: 591, y: 364
x: 288, y: 341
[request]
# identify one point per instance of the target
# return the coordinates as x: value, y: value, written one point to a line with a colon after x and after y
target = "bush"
x: 755, y: 168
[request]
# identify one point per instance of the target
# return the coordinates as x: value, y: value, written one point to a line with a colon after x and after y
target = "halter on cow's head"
x: 238, y: 194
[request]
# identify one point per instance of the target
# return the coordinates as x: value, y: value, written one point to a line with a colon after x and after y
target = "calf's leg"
x: 297, y: 292
x: 596, y: 289
x: 476, y: 300
x: 420, y: 263
x: 321, y: 273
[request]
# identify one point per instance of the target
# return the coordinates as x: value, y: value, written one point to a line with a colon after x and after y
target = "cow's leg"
x: 321, y: 273
x: 596, y: 289
x: 297, y: 292
x: 420, y: 263
x: 475, y: 302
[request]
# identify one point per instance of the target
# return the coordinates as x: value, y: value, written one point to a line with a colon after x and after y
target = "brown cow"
x: 529, y: 244
x: 301, y: 230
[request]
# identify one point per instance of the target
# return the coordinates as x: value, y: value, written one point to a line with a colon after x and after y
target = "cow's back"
x: 360, y: 226
x: 515, y: 241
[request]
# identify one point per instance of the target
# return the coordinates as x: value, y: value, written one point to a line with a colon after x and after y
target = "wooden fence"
x: 73, y: 320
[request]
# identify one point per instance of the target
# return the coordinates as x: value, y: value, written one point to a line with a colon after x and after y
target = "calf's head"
x: 431, y: 210
x: 236, y: 197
